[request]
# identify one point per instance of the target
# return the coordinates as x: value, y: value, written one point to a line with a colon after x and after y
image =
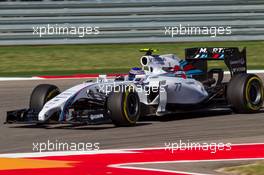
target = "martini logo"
x: 209, y: 53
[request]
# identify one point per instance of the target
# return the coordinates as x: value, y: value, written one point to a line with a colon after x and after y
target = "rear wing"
x: 234, y: 59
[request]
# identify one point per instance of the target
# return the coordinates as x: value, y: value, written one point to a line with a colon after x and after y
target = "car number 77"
x: 178, y: 86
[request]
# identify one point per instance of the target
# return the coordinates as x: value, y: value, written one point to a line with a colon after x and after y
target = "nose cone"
x: 41, y: 115
x: 46, y: 113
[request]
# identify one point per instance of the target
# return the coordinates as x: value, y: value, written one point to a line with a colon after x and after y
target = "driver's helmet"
x: 135, y: 71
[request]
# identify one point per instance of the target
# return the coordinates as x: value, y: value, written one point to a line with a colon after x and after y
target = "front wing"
x: 29, y: 116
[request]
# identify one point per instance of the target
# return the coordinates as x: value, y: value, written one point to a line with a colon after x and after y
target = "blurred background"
x: 125, y: 26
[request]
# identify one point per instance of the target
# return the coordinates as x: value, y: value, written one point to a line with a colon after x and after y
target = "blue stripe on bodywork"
x: 194, y: 72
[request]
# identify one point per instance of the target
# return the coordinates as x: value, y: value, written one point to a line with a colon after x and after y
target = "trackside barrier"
x: 128, y: 21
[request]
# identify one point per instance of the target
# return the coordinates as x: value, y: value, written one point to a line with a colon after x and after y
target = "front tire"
x: 41, y: 94
x: 245, y: 93
x: 124, y: 106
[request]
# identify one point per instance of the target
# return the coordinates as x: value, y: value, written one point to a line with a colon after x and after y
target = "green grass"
x: 108, y: 58
x: 251, y: 169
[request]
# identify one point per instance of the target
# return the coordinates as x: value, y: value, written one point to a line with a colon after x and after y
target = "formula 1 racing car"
x: 165, y: 84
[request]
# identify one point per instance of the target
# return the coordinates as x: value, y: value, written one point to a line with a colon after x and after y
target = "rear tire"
x: 124, y: 106
x: 41, y: 94
x: 245, y: 93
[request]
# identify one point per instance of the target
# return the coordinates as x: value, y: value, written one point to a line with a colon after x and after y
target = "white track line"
x: 250, y: 72
x: 62, y: 153
x: 19, y: 78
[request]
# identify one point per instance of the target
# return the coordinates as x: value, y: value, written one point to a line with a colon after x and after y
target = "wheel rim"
x: 52, y: 94
x: 132, y: 105
x: 255, y: 93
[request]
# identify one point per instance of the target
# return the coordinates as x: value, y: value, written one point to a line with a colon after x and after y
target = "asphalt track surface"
x: 151, y: 132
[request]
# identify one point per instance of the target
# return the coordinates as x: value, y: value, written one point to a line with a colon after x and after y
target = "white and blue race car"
x: 165, y: 84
